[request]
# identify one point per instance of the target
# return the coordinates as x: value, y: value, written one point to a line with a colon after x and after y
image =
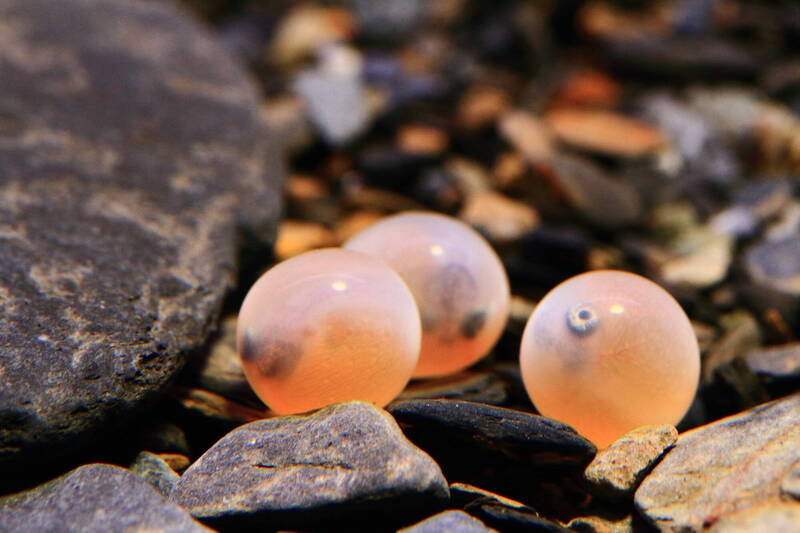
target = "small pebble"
x: 615, y: 472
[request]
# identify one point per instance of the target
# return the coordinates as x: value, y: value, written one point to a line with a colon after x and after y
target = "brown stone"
x: 604, y: 132
x: 298, y: 236
x: 498, y: 217
x: 730, y: 465
x: 616, y: 471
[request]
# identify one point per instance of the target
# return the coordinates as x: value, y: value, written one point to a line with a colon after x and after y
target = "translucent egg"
x: 607, y: 352
x: 458, y: 282
x: 328, y: 326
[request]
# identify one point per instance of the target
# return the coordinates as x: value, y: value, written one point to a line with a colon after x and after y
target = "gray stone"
x: 131, y: 149
x: 348, y: 462
x: 334, y: 95
x: 783, y: 517
x: 776, y: 264
x: 616, y: 471
x: 449, y: 522
x: 520, y: 455
x: 94, y: 498
x: 729, y: 465
x: 155, y: 471
x: 513, y: 434
x: 790, y: 485
x: 776, y: 363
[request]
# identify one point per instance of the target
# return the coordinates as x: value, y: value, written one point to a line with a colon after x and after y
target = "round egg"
x: 458, y: 281
x: 328, y: 326
x: 607, y: 352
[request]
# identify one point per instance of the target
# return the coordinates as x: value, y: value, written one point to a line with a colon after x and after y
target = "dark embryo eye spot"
x: 453, y: 289
x: 273, y: 358
x: 473, y: 324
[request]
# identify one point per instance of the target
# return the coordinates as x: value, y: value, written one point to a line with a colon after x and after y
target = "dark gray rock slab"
x: 153, y: 469
x: 725, y: 467
x: 616, y: 471
x: 131, y: 149
x: 498, y: 511
x: 341, y: 465
x: 449, y: 522
x: 521, y: 455
x: 94, y: 498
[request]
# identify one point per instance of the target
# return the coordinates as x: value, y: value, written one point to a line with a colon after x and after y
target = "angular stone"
x: 776, y: 364
x: 514, y: 434
x: 499, y: 218
x: 776, y: 264
x: 131, y: 148
x: 616, y: 471
x: 94, y: 497
x: 732, y: 464
x: 153, y: 469
x: 346, y: 463
x: 449, y: 522
x: 518, y: 454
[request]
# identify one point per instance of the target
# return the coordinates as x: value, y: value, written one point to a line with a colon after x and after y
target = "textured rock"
x: 733, y: 464
x: 94, y: 498
x: 449, y: 522
x: 790, y: 485
x: 780, y: 517
x: 130, y: 149
x: 521, y: 455
x: 153, y: 469
x: 514, y: 434
x: 616, y: 471
x: 347, y: 462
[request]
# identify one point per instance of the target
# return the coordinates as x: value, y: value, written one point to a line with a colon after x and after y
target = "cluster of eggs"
x: 422, y: 295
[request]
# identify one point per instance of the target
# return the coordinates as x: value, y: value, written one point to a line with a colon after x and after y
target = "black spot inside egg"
x: 274, y: 358
x: 473, y: 323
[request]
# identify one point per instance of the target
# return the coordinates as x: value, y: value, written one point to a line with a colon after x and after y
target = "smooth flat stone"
x: 343, y: 464
x: 724, y: 467
x: 131, y: 149
x: 94, y: 498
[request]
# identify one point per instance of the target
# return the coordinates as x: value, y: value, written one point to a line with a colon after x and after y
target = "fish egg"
x: 328, y: 326
x: 607, y: 352
x: 459, y: 283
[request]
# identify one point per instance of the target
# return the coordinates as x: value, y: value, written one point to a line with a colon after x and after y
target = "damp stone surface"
x: 345, y: 465
x: 131, y: 148
x: 607, y: 352
x: 458, y: 281
x: 328, y: 326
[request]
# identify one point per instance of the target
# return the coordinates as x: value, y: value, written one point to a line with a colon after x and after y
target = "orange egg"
x: 328, y: 326
x: 607, y: 352
x: 458, y: 282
